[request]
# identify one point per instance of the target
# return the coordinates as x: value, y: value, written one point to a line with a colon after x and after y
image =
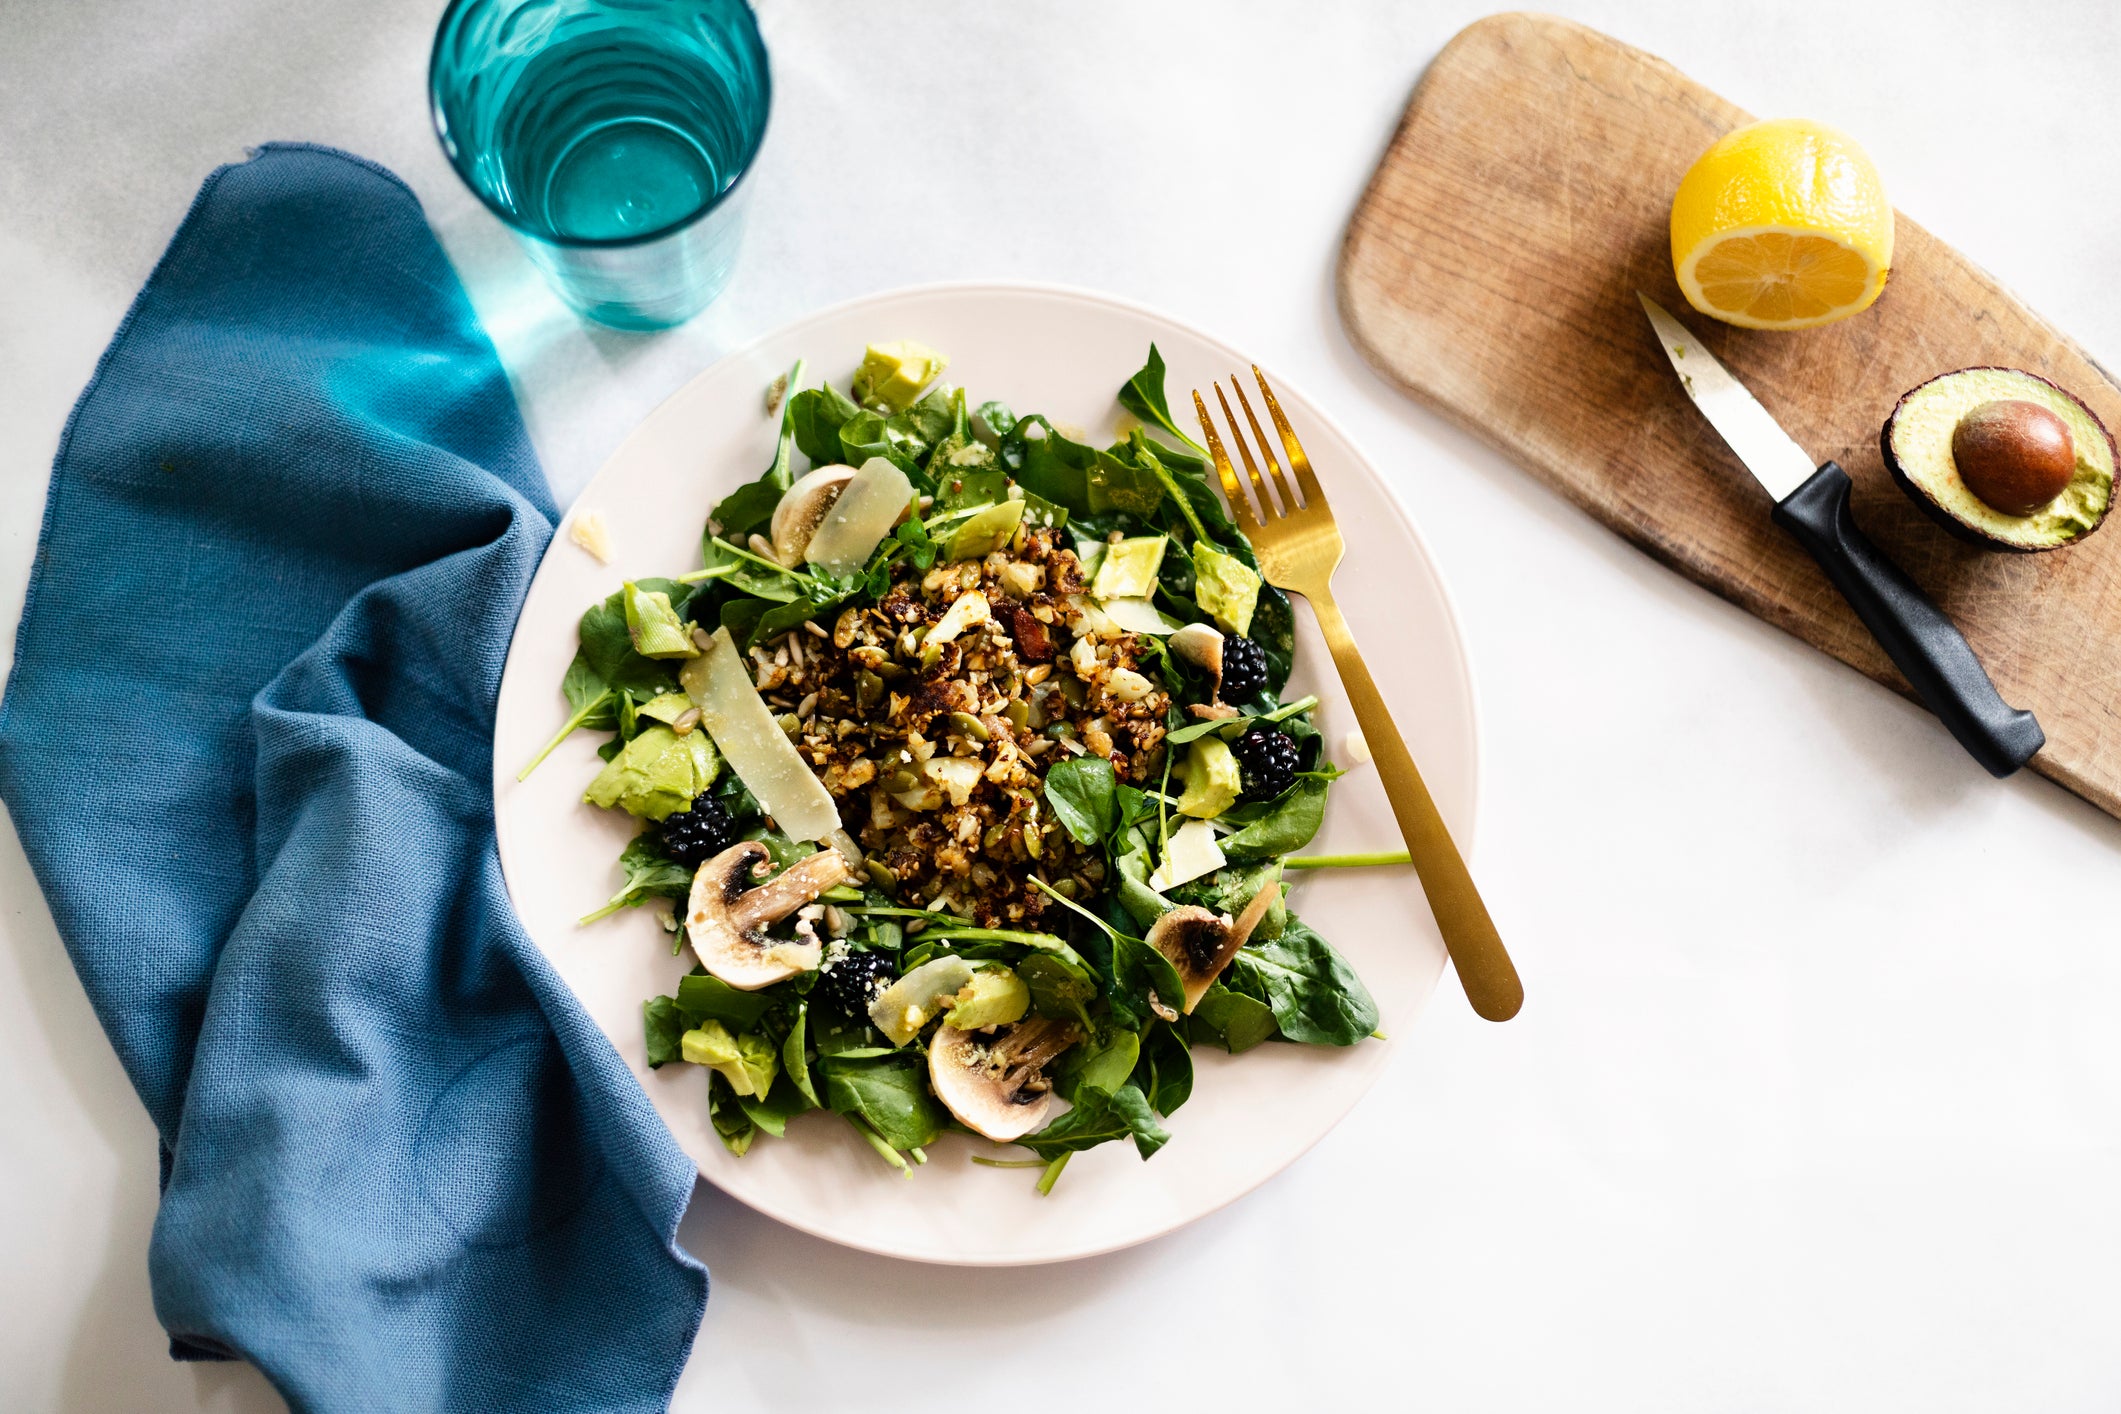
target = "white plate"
x: 1065, y: 354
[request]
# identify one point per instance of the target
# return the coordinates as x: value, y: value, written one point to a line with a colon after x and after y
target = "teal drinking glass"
x: 613, y: 136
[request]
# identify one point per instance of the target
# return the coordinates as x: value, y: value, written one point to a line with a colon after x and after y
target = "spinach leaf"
x: 1288, y: 824
x: 996, y: 418
x: 748, y: 576
x: 1316, y: 997
x: 1138, y: 971
x: 924, y: 426
x: 1099, y: 1118
x: 870, y: 434
x: 1061, y: 988
x: 1099, y: 1064
x: 750, y: 506
x: 1165, y: 1070
x: 793, y: 1062
x: 1081, y: 791
x: 663, y: 1024
x: 588, y: 694
x: 705, y: 998
x: 886, y: 1094
x: 1232, y: 1019
x: 731, y: 1124
x: 1233, y: 886
x: 1143, y: 395
x: 772, y: 1111
x: 1140, y: 903
x: 817, y: 415
x: 607, y: 651
x: 648, y: 875
x: 1074, y: 475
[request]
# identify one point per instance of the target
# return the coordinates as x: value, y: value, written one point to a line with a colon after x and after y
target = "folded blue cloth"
x: 247, y: 744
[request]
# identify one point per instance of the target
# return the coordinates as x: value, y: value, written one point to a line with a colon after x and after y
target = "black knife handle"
x: 1915, y: 634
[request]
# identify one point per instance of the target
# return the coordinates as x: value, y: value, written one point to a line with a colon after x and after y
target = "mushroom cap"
x: 971, y: 1081
x: 726, y: 918
x: 1199, y: 944
x: 802, y: 509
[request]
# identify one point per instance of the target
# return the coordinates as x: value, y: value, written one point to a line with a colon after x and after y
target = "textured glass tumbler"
x: 613, y: 136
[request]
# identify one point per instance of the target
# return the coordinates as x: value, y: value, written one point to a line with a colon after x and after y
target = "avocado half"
x: 1917, y: 443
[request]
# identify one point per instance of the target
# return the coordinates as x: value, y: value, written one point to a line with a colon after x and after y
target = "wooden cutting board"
x: 1491, y: 270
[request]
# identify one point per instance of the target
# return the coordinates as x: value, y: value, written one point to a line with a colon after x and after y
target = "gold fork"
x: 1299, y: 545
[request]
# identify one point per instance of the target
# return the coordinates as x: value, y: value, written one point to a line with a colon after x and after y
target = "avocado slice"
x: 1918, y: 444
x: 1129, y: 568
x: 995, y: 996
x: 1225, y: 587
x: 892, y: 375
x: 1213, y: 781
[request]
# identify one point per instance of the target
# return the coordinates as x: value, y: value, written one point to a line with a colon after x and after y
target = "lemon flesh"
x: 1782, y: 224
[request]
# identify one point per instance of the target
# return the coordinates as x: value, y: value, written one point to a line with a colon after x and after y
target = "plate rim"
x: 1467, y: 688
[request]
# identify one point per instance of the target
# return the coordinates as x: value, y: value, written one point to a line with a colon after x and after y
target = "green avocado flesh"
x: 1918, y: 444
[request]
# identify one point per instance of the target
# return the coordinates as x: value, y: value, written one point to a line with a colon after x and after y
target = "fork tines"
x: 1281, y: 501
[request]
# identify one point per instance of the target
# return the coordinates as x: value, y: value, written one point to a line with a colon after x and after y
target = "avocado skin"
x: 1942, y: 514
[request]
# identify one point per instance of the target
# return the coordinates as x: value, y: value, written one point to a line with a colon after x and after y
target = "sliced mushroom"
x: 1202, y: 646
x: 802, y: 509
x: 998, y: 1086
x: 1199, y: 944
x: 726, y: 918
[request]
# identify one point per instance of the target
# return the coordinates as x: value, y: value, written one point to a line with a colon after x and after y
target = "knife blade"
x: 1777, y: 462
x: 1812, y: 504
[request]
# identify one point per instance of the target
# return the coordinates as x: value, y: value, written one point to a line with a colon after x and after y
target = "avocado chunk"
x: 656, y: 774
x: 2012, y: 431
x: 1213, y: 782
x: 985, y: 531
x: 892, y: 375
x: 1225, y: 587
x: 747, y: 1062
x: 995, y: 996
x: 654, y: 627
x: 1128, y: 570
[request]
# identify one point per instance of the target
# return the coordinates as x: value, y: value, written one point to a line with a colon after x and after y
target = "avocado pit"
x: 2015, y: 455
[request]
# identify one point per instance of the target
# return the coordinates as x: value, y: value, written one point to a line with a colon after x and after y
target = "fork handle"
x: 1484, y: 966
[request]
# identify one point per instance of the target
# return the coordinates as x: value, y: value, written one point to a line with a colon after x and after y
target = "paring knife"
x: 1812, y: 504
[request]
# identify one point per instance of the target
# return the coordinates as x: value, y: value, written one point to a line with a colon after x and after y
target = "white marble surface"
x: 1816, y: 1104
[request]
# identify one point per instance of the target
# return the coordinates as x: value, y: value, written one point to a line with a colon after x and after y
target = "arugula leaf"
x: 1287, y: 825
x: 663, y: 1024
x: 886, y: 1094
x: 750, y: 506
x: 1143, y: 395
x: 1098, y: 1118
x: 1081, y: 791
x: 817, y: 414
x: 1232, y: 1019
x: 648, y: 875
x: 1315, y: 995
x: 705, y: 998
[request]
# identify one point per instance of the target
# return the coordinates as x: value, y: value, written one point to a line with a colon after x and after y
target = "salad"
x: 965, y: 774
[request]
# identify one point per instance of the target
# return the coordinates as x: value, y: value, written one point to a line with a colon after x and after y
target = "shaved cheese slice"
x: 1190, y: 853
x: 861, y: 518
x: 736, y: 717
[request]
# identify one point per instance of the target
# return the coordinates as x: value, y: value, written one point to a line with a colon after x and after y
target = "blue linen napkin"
x: 247, y: 745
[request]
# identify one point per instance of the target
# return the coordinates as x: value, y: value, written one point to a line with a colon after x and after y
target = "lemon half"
x: 1782, y: 224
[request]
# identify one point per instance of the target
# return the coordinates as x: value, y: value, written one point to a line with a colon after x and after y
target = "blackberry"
x: 1266, y: 762
x: 1244, y: 669
x: 692, y: 837
x: 850, y: 984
